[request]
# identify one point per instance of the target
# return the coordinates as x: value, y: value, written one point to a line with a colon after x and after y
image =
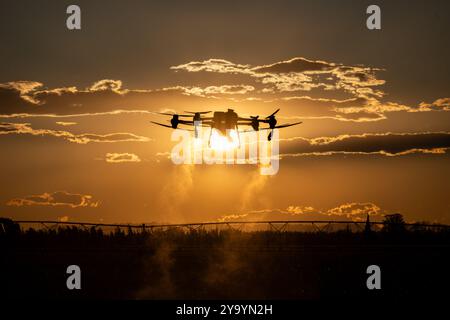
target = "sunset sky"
x: 75, y: 109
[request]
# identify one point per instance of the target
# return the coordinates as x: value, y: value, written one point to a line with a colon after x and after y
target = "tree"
x: 394, y: 223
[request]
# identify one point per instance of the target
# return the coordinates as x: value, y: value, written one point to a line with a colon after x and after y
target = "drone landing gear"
x: 209, y: 140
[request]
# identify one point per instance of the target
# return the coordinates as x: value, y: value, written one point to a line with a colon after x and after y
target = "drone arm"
x: 185, y: 121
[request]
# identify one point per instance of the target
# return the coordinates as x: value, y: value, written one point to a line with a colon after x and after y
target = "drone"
x: 222, y: 121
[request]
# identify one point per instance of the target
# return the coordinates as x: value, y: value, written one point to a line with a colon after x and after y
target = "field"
x: 223, y: 264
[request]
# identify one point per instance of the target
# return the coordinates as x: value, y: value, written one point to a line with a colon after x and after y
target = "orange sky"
x: 77, y: 143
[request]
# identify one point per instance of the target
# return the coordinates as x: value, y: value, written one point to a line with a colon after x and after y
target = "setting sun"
x: 219, y: 142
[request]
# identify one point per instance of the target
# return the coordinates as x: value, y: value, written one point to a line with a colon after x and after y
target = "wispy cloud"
x: 210, y: 91
x: 83, y: 138
x: 352, y: 211
x: 121, y: 157
x: 442, y: 104
x: 65, y: 124
x: 55, y: 199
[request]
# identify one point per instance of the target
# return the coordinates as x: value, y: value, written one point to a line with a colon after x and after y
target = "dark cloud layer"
x: 390, y: 144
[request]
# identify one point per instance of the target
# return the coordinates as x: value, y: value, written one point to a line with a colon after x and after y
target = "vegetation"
x: 227, y: 264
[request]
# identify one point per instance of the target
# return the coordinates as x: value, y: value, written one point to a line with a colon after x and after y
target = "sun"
x: 219, y: 142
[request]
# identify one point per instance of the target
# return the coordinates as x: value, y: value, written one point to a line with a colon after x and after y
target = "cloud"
x: 24, y: 88
x: 295, y: 210
x: 213, y: 90
x: 83, y: 138
x: 65, y: 124
x: 33, y: 97
x: 358, y: 80
x: 96, y: 114
x: 55, y: 91
x: 387, y: 144
x: 213, y: 65
x: 360, y: 83
x: 107, y: 85
x: 55, y: 199
x: 298, y: 74
x: 63, y: 218
x: 335, y: 91
x: 372, y: 106
x: 442, y: 104
x: 233, y: 217
x: 367, y: 144
x: 121, y: 157
x: 298, y: 64
x: 357, y: 109
x: 109, y: 97
x: 352, y: 211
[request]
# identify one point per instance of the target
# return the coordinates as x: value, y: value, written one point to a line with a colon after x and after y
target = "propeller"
x: 160, y: 124
x: 269, y: 137
x: 273, y: 114
x: 175, y: 118
x: 175, y: 121
x: 174, y: 114
x: 167, y: 126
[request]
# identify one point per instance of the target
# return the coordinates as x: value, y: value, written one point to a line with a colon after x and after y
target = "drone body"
x: 224, y: 122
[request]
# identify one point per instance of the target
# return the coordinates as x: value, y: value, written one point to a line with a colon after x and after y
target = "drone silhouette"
x: 223, y: 121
